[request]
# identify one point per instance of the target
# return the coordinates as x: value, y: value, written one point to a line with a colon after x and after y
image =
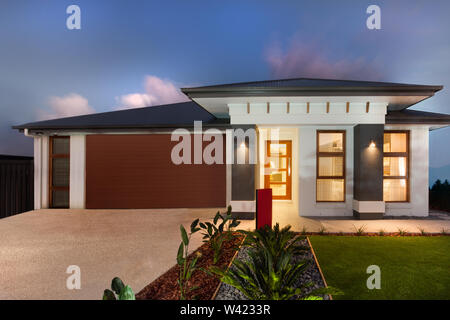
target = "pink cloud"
x: 301, y: 60
x: 69, y: 105
x: 157, y: 91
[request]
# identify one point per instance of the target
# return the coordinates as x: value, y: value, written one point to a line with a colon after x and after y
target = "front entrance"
x: 278, y: 169
x: 59, y: 168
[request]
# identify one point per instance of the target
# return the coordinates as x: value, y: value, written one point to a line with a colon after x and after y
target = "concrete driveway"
x: 36, y: 248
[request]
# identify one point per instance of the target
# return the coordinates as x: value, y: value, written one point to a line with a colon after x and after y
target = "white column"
x: 44, y: 172
x: 77, y: 171
x: 37, y: 172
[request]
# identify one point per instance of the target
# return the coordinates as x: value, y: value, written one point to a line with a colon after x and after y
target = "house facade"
x: 324, y: 147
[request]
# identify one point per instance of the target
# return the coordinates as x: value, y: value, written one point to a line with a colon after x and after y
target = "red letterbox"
x: 263, y: 208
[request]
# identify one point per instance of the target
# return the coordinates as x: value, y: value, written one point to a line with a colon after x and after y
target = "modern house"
x: 324, y: 147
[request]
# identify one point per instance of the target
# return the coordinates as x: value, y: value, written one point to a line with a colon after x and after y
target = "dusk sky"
x: 137, y: 53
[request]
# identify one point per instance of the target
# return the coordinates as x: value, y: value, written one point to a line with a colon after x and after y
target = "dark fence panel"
x: 16, y: 185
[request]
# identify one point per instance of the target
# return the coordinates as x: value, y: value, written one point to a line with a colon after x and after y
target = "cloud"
x: 157, y: 91
x: 302, y: 60
x: 69, y: 105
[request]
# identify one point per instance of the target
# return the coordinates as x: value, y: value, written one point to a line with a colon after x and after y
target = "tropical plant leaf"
x: 117, y: 285
x: 180, y: 258
x: 127, y: 294
x: 108, y: 295
x: 184, y: 235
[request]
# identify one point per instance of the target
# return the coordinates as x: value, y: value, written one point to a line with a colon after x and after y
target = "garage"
x: 135, y: 171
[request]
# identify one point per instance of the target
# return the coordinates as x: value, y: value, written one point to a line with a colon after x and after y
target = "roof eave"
x: 415, y: 90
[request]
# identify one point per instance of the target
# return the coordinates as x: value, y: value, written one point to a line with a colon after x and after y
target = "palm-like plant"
x: 261, y: 278
x: 275, y: 241
x: 271, y: 273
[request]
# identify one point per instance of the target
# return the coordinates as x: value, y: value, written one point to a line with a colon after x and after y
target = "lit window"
x: 330, y: 184
x: 395, y: 166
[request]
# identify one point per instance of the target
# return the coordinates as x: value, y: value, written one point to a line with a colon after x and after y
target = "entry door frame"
x: 52, y: 156
x: 288, y: 169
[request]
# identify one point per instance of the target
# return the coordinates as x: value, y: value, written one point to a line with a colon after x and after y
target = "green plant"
x: 215, y: 234
x: 260, y: 278
x: 422, y: 231
x: 381, y: 232
x: 118, y: 291
x: 304, y: 231
x: 274, y: 240
x: 322, y: 230
x: 402, y: 232
x: 187, y: 267
x: 359, y: 230
x: 271, y: 271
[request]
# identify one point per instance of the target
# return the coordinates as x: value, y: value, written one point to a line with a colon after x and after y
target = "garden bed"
x: 166, y: 287
x: 311, y: 274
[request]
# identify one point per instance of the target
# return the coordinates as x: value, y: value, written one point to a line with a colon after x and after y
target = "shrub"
x: 214, y: 232
x: 275, y: 241
x: 118, y: 291
x: 359, y: 230
x: 262, y: 279
x: 186, y: 267
x: 271, y: 272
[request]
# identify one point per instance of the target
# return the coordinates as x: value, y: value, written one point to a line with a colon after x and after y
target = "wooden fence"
x: 16, y: 185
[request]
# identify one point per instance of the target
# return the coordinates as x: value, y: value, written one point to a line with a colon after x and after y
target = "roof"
x: 169, y: 115
x: 417, y: 117
x: 404, y: 95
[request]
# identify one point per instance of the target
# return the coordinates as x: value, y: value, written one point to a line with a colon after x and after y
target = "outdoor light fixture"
x: 243, y: 145
x: 372, y: 144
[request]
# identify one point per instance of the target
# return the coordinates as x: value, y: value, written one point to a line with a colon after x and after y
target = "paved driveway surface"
x: 137, y: 245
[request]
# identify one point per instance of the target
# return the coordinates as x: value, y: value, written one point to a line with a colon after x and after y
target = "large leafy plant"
x: 118, y: 291
x: 187, y: 266
x: 218, y: 232
x: 271, y: 272
x: 260, y: 278
x: 275, y: 241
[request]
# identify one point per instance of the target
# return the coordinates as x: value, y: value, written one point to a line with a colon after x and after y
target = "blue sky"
x: 131, y: 52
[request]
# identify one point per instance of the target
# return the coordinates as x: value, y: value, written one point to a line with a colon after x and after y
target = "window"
x: 330, y: 166
x: 278, y: 169
x: 396, y: 166
x: 59, y: 172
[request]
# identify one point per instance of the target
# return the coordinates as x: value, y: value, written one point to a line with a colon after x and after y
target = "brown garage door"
x: 136, y: 172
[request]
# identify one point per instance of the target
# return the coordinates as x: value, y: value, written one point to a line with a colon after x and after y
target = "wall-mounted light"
x: 372, y: 144
x: 243, y: 145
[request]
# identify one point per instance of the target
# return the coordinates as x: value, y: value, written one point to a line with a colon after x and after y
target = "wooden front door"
x: 278, y: 169
x: 59, y: 169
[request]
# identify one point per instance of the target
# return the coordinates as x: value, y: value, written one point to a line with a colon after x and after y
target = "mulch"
x: 166, y: 287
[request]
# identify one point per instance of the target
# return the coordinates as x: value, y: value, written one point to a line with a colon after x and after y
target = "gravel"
x: 311, y: 274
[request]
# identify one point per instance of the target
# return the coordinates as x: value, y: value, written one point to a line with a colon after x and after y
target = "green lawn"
x: 411, y: 267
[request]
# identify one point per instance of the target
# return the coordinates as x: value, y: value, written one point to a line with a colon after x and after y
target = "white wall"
x: 418, y: 183
x: 77, y: 171
x: 307, y: 174
x: 41, y: 174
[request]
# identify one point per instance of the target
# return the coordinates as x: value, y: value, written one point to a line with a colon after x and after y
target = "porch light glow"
x: 243, y: 145
x: 372, y: 144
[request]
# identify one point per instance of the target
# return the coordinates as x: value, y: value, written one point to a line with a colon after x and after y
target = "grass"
x: 411, y: 267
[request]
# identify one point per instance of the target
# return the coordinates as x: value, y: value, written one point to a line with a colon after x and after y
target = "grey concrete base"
x: 243, y: 215
x: 368, y: 215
